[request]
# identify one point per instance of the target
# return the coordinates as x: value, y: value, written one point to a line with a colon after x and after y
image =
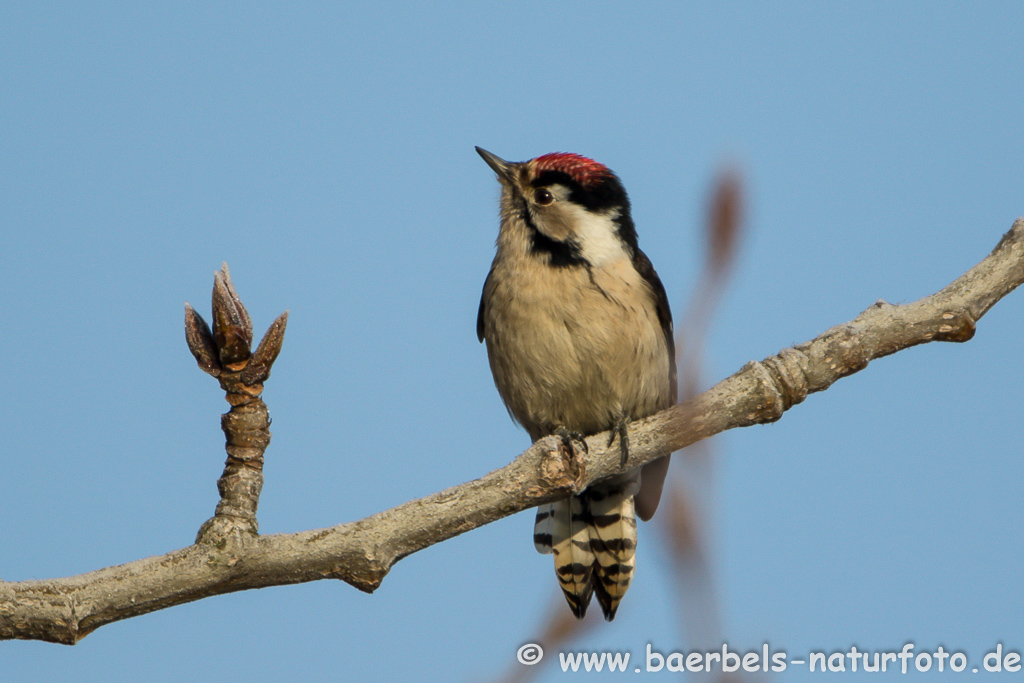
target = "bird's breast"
x: 574, y: 347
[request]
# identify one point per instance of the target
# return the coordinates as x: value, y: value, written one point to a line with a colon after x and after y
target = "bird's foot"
x: 570, y: 439
x: 572, y: 446
x: 620, y: 430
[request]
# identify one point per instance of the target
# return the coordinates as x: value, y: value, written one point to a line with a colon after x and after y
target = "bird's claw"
x: 570, y: 439
x: 620, y: 430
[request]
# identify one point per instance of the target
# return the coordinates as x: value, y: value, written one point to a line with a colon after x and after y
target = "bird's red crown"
x: 581, y: 169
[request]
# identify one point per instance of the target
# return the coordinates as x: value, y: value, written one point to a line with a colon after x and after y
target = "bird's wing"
x: 653, y: 475
x: 484, y: 296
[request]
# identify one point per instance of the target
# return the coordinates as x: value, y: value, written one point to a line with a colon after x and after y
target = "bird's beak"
x: 503, y: 168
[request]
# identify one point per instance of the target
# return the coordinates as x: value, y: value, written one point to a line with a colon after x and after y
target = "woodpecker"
x: 579, y: 339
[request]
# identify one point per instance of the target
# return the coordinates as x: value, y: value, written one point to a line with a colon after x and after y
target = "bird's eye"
x: 542, y: 197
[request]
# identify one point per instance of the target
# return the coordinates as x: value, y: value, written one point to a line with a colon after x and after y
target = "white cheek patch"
x: 595, y: 233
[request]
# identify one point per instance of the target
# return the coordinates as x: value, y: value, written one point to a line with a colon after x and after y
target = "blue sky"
x: 325, y: 151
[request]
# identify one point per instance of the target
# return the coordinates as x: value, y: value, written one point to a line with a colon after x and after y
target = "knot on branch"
x: 765, y: 403
x: 788, y: 372
x: 225, y: 353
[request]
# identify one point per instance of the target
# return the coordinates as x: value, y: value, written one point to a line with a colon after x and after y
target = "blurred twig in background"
x: 684, y: 524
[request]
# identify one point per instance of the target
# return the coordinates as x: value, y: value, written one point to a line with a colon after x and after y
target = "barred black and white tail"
x: 593, y: 539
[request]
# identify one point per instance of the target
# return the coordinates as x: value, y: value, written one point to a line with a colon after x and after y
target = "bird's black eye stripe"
x: 542, y: 196
x: 560, y: 254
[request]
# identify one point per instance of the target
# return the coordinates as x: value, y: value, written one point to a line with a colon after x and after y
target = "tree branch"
x: 361, y: 553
